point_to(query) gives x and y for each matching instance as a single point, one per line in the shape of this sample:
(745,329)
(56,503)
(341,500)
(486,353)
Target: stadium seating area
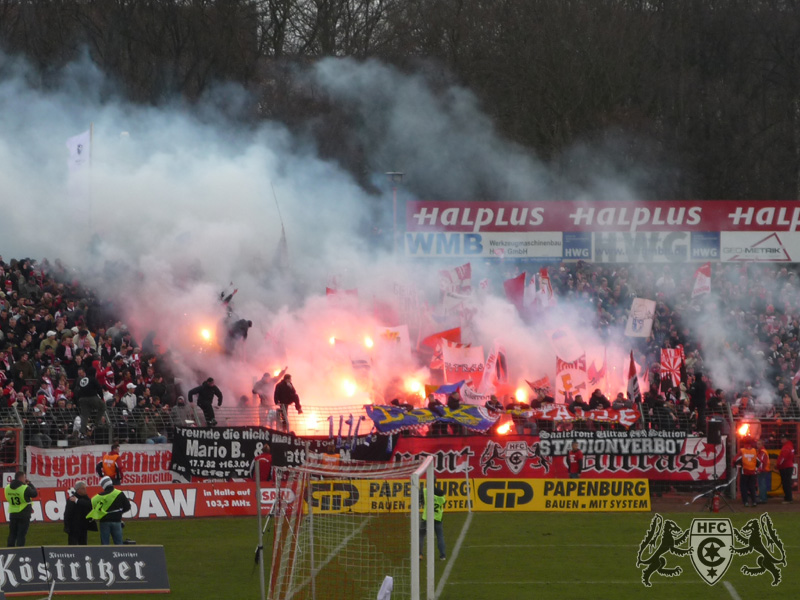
(50,327)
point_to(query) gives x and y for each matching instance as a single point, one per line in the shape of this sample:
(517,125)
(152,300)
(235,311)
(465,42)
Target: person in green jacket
(18,495)
(107,509)
(439,501)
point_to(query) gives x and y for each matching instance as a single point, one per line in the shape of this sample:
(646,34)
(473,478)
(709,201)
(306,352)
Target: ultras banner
(84,569)
(654,455)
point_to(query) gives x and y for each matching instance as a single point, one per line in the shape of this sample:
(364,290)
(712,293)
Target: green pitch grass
(504,556)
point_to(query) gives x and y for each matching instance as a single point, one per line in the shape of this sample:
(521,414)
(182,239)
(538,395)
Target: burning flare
(350,388)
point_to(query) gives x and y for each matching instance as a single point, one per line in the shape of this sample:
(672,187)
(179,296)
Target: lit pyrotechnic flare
(415,387)
(205,334)
(744,429)
(350,388)
(332,341)
(505,428)
(368,342)
(312,423)
(521,395)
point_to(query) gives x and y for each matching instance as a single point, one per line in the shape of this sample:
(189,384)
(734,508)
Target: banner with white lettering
(614,232)
(62,467)
(84,569)
(226,452)
(617,216)
(463,363)
(157,501)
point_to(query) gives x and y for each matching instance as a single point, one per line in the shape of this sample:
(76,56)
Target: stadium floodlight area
(341,527)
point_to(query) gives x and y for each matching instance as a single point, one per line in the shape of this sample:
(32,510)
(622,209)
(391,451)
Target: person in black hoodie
(19,494)
(107,509)
(76,525)
(697,396)
(89,397)
(206,392)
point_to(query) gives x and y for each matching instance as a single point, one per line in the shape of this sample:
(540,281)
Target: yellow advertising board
(563,495)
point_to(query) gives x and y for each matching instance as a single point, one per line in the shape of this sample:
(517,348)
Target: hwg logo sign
(711,545)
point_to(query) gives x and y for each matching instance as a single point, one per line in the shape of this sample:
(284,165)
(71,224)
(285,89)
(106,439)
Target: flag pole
(91,199)
(278,206)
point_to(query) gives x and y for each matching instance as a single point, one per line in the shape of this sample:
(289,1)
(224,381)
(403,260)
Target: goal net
(342,526)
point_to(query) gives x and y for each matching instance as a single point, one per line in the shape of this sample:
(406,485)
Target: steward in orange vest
(109,465)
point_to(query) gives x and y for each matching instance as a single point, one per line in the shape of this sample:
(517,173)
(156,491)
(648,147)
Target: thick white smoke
(186,201)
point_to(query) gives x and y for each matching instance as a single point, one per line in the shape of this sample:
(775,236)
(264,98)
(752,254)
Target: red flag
(671,361)
(451,335)
(515,291)
(437,340)
(702,280)
(634,393)
(542,384)
(546,297)
(594,374)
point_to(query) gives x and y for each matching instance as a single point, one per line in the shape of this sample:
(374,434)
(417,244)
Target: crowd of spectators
(53,332)
(746,333)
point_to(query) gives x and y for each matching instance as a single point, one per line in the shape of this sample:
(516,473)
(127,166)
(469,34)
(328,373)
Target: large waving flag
(390,419)
(571,377)
(463,363)
(491,372)
(541,385)
(458,280)
(79,179)
(394,340)
(545,293)
(515,291)
(640,319)
(634,393)
(437,340)
(80,151)
(594,374)
(702,280)
(671,363)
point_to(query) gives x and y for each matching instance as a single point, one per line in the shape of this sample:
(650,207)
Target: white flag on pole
(80,150)
(702,280)
(640,319)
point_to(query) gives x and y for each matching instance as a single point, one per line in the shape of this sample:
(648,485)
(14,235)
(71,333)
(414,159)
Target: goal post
(425,469)
(340,527)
